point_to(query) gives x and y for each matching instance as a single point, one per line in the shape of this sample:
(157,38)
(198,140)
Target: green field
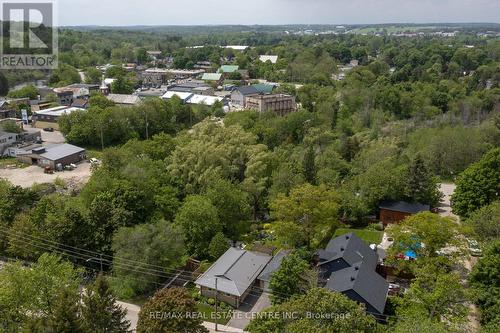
(11,161)
(369,236)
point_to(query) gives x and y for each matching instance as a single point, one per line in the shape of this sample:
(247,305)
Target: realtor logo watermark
(28,38)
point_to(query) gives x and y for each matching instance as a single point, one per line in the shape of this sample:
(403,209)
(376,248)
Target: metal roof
(273,265)
(57,152)
(272,58)
(58,111)
(237,47)
(236,270)
(228,68)
(264,88)
(124,99)
(247,90)
(182,95)
(204,99)
(211,76)
(405,207)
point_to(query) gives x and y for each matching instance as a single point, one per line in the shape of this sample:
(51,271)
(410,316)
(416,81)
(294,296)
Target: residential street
(133,316)
(445,208)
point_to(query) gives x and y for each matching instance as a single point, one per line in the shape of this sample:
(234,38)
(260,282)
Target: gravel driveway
(26,177)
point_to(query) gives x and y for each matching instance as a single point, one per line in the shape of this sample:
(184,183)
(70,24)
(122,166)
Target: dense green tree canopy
(170,301)
(294,277)
(139,252)
(316,302)
(200,222)
(26,292)
(305,217)
(479,185)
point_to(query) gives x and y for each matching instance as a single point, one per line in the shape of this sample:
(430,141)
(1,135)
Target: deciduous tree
(170,311)
(306,216)
(290,279)
(478,185)
(137,248)
(200,223)
(309,312)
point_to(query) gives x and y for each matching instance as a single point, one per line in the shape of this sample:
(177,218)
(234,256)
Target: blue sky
(190,12)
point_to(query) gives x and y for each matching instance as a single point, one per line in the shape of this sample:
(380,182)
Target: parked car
(48,129)
(94,161)
(395,289)
(474,248)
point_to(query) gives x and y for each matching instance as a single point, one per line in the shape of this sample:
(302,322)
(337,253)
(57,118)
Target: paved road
(445,207)
(468,261)
(253,305)
(133,316)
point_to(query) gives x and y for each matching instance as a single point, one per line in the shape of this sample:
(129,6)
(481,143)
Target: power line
(254,291)
(82,258)
(93,254)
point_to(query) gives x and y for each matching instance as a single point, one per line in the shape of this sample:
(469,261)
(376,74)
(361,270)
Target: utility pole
(216,308)
(147,125)
(102,138)
(95,259)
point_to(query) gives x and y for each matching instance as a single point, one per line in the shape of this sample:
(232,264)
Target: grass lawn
(11,161)
(369,236)
(93,153)
(208,314)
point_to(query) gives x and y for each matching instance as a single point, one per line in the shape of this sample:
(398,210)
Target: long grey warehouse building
(52,156)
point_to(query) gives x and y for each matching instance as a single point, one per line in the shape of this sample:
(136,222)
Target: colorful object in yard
(411,255)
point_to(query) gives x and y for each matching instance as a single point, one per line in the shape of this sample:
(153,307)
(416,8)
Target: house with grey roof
(361,284)
(6,110)
(233,275)
(239,95)
(348,265)
(275,264)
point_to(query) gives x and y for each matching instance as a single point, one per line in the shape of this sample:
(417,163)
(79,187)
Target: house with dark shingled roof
(347,265)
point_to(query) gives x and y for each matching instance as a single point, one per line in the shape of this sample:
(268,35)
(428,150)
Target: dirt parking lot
(26,177)
(48,138)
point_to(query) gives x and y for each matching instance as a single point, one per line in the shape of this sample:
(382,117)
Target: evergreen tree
(309,166)
(421,185)
(100,313)
(335,114)
(349,147)
(121,86)
(64,317)
(4,85)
